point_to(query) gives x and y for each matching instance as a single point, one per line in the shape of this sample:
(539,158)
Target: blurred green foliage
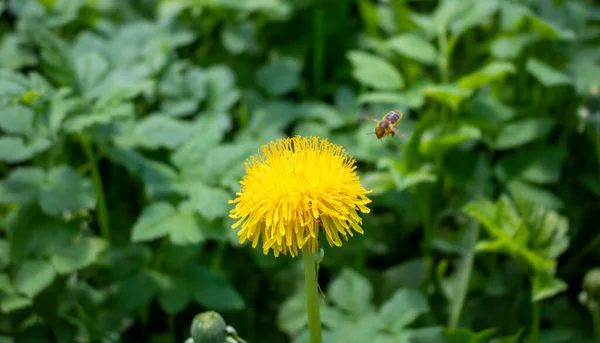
(124,127)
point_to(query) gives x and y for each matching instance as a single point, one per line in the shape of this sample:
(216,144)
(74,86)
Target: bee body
(387,125)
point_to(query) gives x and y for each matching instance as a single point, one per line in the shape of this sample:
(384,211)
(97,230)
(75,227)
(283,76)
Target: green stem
(312,296)
(535,322)
(443,63)
(596,316)
(464,273)
(319,53)
(97,180)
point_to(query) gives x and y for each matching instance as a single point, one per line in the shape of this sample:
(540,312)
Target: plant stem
(596,316)
(464,273)
(535,322)
(319,53)
(312,295)
(102,214)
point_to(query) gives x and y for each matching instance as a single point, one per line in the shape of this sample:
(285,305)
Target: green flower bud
(208,327)
(591,286)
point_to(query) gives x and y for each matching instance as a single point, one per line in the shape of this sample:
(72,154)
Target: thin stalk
(312,295)
(443,63)
(535,322)
(319,53)
(464,274)
(596,316)
(101,211)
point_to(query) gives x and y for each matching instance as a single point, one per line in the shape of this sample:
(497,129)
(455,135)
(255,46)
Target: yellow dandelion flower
(294,189)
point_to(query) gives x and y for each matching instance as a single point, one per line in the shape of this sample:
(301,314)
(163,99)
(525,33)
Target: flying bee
(387,125)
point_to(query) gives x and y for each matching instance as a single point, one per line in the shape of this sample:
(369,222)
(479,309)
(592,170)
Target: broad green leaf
(490,73)
(33,277)
(446,12)
(90,68)
(280,76)
(536,194)
(80,255)
(16,120)
(545,286)
(12,53)
(239,37)
(510,47)
(549,30)
(513,14)
(448,94)
(405,179)
(14,302)
(375,72)
(352,292)
(213,290)
(508,339)
(522,132)
(487,112)
(538,165)
(159,131)
(545,74)
(477,13)
(210,202)
(414,47)
(222,93)
(402,309)
(137,290)
(153,223)
(291,316)
(408,274)
(436,143)
(161,219)
(15,149)
(23,185)
(66,190)
(176,297)
(410,99)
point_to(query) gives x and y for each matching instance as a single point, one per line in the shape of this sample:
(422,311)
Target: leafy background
(124,126)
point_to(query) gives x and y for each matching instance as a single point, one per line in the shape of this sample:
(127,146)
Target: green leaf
(239,37)
(80,255)
(375,72)
(137,290)
(522,132)
(14,302)
(402,309)
(23,185)
(210,202)
(510,47)
(448,94)
(212,290)
(545,74)
(33,277)
(414,47)
(433,142)
(16,120)
(158,131)
(280,76)
(476,14)
(160,219)
(176,296)
(405,179)
(66,190)
(153,223)
(539,165)
(545,286)
(490,73)
(352,292)
(16,150)
(411,99)
(532,193)
(90,69)
(221,91)
(291,316)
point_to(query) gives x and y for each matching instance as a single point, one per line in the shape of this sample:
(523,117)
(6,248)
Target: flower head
(296,188)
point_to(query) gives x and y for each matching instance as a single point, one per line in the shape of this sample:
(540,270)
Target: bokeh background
(124,127)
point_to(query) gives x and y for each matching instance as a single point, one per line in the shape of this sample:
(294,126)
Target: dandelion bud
(591,286)
(208,327)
